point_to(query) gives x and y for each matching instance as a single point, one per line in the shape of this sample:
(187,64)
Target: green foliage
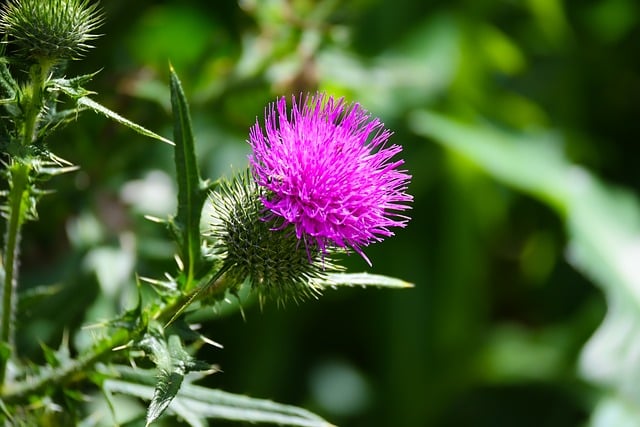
(602,225)
(192,191)
(194,404)
(89,103)
(525,201)
(172,363)
(155,330)
(364,279)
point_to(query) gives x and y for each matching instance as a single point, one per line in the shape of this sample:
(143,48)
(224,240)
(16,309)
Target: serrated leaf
(219,404)
(364,280)
(169,376)
(191,191)
(8,85)
(74,88)
(173,363)
(166,389)
(59,119)
(101,109)
(195,404)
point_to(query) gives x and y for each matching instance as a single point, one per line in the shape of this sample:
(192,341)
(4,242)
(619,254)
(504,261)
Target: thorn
(179,262)
(122,347)
(211,342)
(155,219)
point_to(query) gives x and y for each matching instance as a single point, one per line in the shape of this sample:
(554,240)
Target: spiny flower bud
(265,253)
(50,30)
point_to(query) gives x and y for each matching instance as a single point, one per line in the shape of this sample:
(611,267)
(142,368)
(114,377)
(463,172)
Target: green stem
(35,104)
(18,203)
(214,286)
(79,369)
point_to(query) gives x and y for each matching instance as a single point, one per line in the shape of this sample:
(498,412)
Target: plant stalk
(18,203)
(18,207)
(35,104)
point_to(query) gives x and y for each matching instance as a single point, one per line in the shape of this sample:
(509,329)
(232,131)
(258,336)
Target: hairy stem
(18,204)
(35,103)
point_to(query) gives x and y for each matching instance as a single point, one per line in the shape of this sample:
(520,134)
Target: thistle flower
(327,170)
(273,262)
(50,30)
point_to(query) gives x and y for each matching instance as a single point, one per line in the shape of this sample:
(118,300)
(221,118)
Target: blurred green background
(491,334)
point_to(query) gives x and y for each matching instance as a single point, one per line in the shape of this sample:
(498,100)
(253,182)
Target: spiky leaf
(191,189)
(101,109)
(195,404)
(172,363)
(364,280)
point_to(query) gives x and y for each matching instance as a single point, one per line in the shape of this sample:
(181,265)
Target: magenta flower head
(329,172)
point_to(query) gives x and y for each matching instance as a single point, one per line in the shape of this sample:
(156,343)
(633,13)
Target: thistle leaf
(173,363)
(166,389)
(101,109)
(73,87)
(191,189)
(8,86)
(364,280)
(195,404)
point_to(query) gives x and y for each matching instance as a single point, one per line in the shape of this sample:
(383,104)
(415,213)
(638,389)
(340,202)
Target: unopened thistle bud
(265,253)
(50,30)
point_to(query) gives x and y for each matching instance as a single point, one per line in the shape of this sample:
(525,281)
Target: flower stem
(35,104)
(18,204)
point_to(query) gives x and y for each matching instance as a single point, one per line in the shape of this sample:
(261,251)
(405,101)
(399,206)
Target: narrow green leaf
(101,109)
(191,190)
(220,404)
(365,280)
(195,403)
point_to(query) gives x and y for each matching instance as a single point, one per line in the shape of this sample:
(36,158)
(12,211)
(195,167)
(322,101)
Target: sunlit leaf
(191,189)
(195,404)
(101,109)
(365,280)
(172,363)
